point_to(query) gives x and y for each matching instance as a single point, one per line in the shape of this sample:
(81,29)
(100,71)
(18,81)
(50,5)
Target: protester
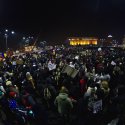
(64,104)
(85,84)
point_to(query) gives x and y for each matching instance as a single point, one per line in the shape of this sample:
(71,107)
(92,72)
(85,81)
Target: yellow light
(5,55)
(94,42)
(74,43)
(80,42)
(71,42)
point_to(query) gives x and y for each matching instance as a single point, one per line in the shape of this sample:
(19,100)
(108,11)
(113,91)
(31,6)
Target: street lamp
(12,32)
(6,37)
(30,37)
(6,30)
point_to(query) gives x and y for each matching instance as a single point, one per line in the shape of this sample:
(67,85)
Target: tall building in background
(108,41)
(75,41)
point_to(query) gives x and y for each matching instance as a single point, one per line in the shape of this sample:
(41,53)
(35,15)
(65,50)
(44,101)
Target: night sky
(56,20)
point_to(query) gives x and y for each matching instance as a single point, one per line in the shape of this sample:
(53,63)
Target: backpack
(47,93)
(12,104)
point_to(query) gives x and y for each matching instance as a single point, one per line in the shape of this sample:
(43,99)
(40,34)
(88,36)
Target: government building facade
(75,41)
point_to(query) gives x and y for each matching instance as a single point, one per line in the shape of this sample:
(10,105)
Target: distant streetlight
(6,30)
(24,38)
(6,37)
(12,32)
(30,37)
(27,40)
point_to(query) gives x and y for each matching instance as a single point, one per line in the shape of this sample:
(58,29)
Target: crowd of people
(36,84)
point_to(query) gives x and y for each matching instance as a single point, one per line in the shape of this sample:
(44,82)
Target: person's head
(8,83)
(104,85)
(63,90)
(12,95)
(28,76)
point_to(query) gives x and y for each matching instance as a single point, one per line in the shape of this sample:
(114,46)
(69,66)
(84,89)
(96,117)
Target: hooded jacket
(63,103)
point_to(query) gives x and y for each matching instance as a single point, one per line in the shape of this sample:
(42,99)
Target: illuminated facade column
(83,41)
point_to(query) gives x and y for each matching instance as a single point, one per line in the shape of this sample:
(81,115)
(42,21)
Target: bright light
(24,38)
(13,32)
(6,30)
(109,36)
(5,34)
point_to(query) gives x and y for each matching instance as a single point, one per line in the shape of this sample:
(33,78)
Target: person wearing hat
(64,103)
(8,83)
(11,87)
(30,79)
(105,87)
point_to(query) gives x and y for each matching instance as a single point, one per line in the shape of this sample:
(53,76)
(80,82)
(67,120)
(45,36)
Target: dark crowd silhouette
(63,86)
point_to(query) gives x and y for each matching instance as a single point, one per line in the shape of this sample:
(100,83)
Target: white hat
(113,63)
(28,74)
(8,83)
(10,74)
(24,66)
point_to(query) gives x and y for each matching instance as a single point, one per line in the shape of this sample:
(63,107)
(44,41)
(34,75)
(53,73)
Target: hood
(63,96)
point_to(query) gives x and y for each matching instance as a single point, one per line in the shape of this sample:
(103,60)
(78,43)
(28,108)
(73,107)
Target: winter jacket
(63,103)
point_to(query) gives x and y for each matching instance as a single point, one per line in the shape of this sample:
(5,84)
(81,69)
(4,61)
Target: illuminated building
(75,41)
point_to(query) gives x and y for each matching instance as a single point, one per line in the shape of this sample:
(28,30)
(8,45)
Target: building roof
(82,38)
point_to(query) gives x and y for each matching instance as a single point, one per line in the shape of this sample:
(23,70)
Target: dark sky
(58,19)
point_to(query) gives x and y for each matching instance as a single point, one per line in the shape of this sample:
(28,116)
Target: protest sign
(72,72)
(97,106)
